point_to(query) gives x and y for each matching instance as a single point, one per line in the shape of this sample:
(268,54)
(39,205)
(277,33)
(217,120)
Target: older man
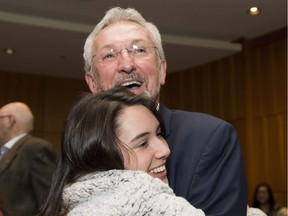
(26,162)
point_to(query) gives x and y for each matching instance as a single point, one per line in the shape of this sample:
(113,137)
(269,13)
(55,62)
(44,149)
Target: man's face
(4,127)
(141,76)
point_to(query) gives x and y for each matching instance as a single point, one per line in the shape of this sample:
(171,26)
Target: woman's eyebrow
(139,136)
(158,128)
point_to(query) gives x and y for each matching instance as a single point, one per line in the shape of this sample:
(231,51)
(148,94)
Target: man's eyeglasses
(111,55)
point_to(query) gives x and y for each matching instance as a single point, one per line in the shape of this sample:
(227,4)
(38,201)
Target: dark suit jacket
(205,165)
(25,172)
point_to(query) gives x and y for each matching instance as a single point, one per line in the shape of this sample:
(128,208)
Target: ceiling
(48,35)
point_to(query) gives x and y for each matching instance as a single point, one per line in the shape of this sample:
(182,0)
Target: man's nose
(126,62)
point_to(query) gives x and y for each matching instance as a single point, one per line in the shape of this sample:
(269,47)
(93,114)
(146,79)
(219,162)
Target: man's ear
(11,121)
(90,82)
(162,71)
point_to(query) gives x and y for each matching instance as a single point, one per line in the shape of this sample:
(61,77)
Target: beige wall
(247,89)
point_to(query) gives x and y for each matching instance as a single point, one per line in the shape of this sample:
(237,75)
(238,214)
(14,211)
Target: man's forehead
(124,30)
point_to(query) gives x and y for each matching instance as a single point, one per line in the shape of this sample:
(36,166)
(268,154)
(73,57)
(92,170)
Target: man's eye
(108,56)
(140,50)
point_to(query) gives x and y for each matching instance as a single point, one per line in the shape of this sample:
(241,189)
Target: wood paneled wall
(249,90)
(49,99)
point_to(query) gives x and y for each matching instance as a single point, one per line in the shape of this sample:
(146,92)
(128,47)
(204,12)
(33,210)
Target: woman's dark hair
(271,199)
(89,140)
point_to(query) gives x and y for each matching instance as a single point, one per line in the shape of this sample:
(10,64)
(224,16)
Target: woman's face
(262,194)
(140,131)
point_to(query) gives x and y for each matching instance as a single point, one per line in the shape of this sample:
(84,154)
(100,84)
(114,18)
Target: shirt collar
(158,106)
(12,142)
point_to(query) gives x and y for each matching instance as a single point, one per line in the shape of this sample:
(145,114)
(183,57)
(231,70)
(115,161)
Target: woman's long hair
(271,199)
(89,140)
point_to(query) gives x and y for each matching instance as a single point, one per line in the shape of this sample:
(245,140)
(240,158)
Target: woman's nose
(162,150)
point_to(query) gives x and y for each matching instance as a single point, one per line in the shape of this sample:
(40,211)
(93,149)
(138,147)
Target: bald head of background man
(15,118)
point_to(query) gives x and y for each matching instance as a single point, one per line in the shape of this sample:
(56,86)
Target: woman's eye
(142,145)
(160,134)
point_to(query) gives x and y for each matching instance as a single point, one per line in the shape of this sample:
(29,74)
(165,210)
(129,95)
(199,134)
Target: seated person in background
(26,162)
(112,160)
(282,212)
(264,200)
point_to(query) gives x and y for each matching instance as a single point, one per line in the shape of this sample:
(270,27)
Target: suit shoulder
(37,140)
(37,143)
(196,118)
(193,123)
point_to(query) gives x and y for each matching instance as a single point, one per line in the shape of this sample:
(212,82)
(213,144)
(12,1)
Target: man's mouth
(132,84)
(158,169)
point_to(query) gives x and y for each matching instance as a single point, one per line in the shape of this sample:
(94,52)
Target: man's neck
(12,141)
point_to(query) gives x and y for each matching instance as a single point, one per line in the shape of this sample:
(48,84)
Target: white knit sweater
(123,192)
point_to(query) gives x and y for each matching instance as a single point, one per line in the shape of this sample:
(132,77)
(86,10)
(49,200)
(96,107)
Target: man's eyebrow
(111,46)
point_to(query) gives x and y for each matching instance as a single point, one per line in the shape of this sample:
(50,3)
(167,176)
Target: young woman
(112,160)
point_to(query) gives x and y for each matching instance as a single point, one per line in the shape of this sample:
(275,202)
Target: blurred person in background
(26,162)
(282,212)
(264,199)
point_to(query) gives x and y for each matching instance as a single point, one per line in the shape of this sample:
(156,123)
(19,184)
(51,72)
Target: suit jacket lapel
(166,116)
(12,154)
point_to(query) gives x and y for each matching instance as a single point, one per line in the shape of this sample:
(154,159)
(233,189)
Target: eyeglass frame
(131,51)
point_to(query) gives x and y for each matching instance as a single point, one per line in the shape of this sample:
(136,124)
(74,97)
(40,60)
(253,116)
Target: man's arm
(205,165)
(219,185)
(42,169)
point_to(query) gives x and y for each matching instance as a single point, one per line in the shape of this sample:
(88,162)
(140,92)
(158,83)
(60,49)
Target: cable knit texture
(123,192)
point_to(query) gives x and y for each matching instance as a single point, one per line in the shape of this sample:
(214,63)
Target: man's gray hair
(115,15)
